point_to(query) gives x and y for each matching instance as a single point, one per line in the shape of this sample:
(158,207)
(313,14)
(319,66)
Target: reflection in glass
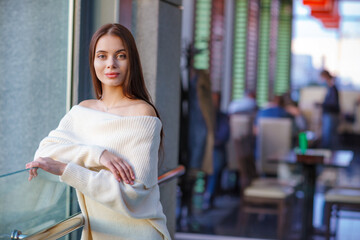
(31,206)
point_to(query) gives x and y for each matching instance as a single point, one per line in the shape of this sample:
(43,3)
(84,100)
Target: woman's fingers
(47,164)
(32,166)
(127,171)
(124,172)
(117,171)
(131,172)
(119,168)
(114,172)
(31,175)
(34,171)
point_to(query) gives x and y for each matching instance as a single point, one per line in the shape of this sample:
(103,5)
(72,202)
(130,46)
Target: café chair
(271,195)
(275,139)
(271,199)
(337,199)
(241,147)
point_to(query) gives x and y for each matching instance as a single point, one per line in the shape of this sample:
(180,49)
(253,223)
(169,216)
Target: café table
(309,161)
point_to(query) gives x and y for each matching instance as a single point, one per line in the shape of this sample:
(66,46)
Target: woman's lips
(112,75)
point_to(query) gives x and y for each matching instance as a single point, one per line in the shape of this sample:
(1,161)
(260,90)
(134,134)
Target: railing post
(16,234)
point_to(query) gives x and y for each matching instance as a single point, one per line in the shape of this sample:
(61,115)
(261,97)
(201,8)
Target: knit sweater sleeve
(62,145)
(136,201)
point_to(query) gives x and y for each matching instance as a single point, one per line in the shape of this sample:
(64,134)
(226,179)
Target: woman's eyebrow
(103,51)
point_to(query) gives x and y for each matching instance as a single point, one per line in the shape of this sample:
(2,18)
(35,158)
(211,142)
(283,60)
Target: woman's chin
(112,83)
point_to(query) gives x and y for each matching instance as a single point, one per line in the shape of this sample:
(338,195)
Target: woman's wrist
(62,168)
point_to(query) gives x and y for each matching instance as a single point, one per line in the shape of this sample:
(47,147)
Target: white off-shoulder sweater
(112,209)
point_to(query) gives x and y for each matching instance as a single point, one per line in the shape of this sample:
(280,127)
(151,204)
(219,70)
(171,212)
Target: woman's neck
(112,96)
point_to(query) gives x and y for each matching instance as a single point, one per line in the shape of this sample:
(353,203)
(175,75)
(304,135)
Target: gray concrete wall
(158,37)
(226,88)
(33,96)
(146,32)
(105,11)
(33,76)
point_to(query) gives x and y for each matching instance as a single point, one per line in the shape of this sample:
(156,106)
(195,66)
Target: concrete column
(105,11)
(158,36)
(226,92)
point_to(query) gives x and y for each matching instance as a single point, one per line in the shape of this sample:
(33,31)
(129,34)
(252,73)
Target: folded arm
(135,200)
(61,145)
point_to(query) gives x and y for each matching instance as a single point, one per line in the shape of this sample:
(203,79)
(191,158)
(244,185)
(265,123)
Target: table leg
(309,171)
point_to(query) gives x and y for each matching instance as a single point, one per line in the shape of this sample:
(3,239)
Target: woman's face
(110,61)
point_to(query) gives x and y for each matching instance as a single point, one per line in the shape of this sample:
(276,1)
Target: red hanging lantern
(331,24)
(331,21)
(329,13)
(318,4)
(326,11)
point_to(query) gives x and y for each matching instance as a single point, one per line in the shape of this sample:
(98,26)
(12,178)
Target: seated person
(299,118)
(275,109)
(281,107)
(246,104)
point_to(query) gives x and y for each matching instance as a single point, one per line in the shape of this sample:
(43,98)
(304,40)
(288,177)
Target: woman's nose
(111,63)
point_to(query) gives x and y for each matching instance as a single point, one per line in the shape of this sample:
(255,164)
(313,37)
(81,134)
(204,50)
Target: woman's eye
(101,56)
(121,56)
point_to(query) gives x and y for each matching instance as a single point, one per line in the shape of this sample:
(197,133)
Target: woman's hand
(120,168)
(47,164)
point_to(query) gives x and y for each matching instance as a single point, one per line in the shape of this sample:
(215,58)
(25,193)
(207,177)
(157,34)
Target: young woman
(107,148)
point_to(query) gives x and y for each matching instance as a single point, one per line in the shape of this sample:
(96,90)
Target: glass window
(33,96)
(315,47)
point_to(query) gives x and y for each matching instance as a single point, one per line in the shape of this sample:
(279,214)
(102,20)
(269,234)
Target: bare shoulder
(91,103)
(143,108)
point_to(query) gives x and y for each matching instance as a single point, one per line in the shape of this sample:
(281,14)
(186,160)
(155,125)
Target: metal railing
(176,172)
(76,221)
(56,231)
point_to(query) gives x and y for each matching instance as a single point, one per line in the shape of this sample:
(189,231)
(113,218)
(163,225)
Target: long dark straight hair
(134,85)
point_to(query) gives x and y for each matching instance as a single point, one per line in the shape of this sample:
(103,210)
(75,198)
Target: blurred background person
(300,123)
(330,112)
(246,104)
(222,134)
